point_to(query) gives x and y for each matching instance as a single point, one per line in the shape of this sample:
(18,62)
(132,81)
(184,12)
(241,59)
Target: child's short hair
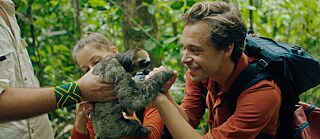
(92,38)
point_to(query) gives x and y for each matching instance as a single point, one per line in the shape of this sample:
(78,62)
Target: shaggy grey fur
(107,117)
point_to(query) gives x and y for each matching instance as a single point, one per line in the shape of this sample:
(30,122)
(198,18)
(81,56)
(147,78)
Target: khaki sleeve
(3,84)
(6,66)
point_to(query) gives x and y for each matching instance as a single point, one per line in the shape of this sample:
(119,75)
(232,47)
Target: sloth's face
(135,60)
(141,60)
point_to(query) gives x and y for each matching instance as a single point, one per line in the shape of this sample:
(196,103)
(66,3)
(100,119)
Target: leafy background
(51,28)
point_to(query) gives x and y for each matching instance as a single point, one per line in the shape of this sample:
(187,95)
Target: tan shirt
(15,67)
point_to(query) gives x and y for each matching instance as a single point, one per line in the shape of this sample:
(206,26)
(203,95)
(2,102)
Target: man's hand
(165,88)
(93,88)
(168,84)
(157,99)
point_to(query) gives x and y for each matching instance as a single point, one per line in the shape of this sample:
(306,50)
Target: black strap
(232,100)
(250,76)
(253,74)
(204,90)
(166,134)
(307,111)
(262,135)
(139,114)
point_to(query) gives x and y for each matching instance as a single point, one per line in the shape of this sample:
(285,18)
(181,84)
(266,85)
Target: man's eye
(194,51)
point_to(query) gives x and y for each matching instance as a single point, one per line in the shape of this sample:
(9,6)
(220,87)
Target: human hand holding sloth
(107,117)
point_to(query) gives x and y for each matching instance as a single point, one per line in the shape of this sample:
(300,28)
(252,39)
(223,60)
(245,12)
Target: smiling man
(213,43)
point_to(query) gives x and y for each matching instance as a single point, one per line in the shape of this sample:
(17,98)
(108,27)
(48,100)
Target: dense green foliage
(51,29)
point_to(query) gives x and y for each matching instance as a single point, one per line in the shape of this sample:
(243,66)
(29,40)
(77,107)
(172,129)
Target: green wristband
(67,94)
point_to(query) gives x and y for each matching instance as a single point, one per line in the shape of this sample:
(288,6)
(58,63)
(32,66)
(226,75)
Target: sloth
(107,117)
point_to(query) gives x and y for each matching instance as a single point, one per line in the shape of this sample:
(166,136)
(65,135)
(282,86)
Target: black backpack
(294,70)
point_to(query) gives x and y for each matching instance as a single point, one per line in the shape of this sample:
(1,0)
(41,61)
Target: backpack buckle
(295,47)
(262,64)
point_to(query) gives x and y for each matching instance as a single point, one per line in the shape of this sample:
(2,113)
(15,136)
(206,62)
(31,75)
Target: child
(87,53)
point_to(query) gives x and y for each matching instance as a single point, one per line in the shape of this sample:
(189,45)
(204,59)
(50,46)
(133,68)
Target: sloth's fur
(107,117)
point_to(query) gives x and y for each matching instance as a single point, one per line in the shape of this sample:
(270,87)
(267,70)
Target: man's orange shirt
(257,107)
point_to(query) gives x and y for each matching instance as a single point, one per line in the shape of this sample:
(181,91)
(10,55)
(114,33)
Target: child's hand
(83,109)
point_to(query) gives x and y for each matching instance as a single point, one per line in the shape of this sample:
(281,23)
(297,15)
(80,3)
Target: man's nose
(186,58)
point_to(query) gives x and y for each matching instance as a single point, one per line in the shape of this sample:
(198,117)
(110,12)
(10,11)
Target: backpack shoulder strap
(253,74)
(204,90)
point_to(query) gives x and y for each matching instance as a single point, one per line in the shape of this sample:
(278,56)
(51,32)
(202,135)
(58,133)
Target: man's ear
(114,49)
(228,50)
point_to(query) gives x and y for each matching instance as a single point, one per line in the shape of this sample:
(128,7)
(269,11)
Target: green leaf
(146,28)
(149,1)
(97,3)
(249,7)
(150,45)
(175,52)
(170,40)
(177,5)
(151,9)
(257,3)
(136,28)
(190,3)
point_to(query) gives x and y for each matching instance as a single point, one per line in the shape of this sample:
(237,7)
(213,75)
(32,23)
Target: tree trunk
(134,18)
(76,16)
(251,15)
(34,45)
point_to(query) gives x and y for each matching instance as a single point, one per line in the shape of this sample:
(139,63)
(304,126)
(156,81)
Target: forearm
(181,111)
(76,135)
(175,122)
(20,103)
(80,127)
